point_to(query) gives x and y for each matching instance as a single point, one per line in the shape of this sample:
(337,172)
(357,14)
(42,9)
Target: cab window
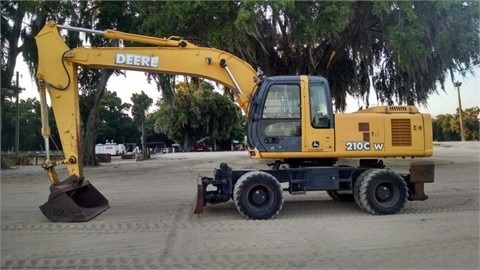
(281,113)
(320,116)
(283,101)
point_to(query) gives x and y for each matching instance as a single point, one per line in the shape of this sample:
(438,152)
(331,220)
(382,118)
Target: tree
(197,112)
(30,126)
(223,118)
(13,14)
(20,22)
(93,82)
(151,136)
(141,103)
(402,48)
(34,15)
(446,127)
(471,123)
(115,124)
(201,22)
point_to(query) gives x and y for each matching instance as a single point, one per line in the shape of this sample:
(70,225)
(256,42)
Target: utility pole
(457,84)
(17,126)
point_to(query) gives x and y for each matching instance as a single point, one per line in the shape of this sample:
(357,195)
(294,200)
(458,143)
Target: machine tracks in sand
(216,217)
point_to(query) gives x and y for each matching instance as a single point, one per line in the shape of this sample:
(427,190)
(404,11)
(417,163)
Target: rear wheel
(258,195)
(380,192)
(356,187)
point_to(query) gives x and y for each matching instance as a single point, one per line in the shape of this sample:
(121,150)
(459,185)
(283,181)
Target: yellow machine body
(369,133)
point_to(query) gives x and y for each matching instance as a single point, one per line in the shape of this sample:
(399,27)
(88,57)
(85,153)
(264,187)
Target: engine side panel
(383,134)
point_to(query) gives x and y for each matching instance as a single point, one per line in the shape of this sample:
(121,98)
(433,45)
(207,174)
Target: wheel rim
(260,197)
(386,194)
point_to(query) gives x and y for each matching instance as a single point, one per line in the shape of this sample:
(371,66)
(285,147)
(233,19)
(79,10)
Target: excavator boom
(57,76)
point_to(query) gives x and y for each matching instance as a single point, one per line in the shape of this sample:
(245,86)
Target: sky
(135,82)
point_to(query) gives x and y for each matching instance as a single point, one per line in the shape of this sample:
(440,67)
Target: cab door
(318,125)
(275,116)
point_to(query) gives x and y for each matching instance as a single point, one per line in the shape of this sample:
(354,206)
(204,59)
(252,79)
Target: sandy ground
(150,223)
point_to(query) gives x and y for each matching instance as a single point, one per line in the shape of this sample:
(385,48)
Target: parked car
(200,147)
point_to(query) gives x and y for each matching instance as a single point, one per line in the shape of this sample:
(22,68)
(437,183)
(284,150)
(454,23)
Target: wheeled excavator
(291,121)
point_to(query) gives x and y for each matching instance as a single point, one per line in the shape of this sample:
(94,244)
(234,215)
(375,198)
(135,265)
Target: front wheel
(258,195)
(381,192)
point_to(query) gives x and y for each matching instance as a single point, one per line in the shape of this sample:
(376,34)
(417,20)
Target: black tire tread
(356,188)
(362,186)
(243,181)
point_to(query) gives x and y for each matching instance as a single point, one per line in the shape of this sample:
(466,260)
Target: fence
(29,158)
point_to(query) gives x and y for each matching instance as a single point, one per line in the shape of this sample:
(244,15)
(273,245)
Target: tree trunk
(186,142)
(7,74)
(145,150)
(89,158)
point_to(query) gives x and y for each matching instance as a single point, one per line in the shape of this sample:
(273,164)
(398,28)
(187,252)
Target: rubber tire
(356,186)
(258,181)
(340,197)
(366,187)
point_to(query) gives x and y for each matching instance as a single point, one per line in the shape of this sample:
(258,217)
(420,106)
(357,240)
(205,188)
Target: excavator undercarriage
(258,195)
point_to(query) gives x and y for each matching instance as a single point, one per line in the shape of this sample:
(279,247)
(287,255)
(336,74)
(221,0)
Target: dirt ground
(151,225)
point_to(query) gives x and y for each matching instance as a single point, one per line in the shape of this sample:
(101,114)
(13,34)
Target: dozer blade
(199,204)
(74,201)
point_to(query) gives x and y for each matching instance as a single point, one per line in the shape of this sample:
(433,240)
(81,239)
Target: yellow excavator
(290,120)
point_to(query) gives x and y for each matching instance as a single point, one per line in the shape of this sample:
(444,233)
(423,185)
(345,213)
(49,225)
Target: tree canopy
(198,111)
(30,137)
(446,127)
(401,48)
(141,103)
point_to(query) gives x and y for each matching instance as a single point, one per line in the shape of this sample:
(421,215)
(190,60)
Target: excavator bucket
(74,201)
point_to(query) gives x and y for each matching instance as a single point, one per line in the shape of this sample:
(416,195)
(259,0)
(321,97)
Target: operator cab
(286,111)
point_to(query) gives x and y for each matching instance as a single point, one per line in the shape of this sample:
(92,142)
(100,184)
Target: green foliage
(30,136)
(151,136)
(198,111)
(209,21)
(402,48)
(141,103)
(115,124)
(446,127)
(471,124)
(20,22)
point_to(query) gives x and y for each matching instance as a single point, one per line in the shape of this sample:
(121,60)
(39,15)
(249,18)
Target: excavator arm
(57,70)
(57,76)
